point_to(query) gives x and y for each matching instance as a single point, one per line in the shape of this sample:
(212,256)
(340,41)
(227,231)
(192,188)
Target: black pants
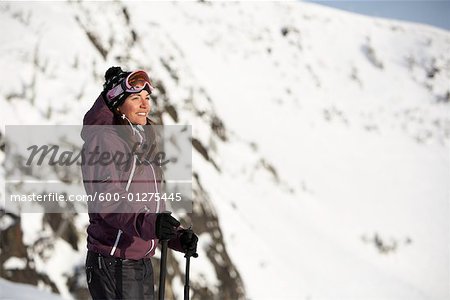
(115,278)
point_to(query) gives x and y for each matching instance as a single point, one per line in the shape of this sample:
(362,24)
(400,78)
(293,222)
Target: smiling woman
(136,107)
(123,234)
(128,94)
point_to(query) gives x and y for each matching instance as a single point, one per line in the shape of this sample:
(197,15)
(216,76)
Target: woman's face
(136,107)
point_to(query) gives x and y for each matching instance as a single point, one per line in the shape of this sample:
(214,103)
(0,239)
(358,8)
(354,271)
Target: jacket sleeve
(102,179)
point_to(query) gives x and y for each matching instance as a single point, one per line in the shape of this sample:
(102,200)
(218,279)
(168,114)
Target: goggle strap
(114,92)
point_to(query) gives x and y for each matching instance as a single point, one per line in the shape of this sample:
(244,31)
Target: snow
(32,227)
(15,263)
(202,269)
(61,263)
(19,291)
(5,222)
(359,150)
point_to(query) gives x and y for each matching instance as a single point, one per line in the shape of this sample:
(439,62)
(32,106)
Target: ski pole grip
(190,232)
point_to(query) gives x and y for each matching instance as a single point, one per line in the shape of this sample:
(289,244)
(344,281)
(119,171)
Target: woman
(123,234)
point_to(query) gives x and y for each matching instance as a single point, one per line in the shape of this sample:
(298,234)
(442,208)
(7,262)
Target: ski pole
(188,263)
(162,270)
(162,266)
(186,278)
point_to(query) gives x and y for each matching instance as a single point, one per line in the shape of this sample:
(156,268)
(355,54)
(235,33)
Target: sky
(435,13)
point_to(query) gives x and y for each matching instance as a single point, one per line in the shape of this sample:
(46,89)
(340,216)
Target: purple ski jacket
(122,228)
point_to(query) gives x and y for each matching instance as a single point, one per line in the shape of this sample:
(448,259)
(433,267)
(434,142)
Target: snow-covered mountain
(321,142)
(10,291)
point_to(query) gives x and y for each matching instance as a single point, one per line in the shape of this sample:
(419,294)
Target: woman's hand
(188,240)
(166,226)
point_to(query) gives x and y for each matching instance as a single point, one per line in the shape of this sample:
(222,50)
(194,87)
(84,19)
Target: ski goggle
(134,83)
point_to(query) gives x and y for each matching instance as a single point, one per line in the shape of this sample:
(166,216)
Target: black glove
(188,240)
(166,226)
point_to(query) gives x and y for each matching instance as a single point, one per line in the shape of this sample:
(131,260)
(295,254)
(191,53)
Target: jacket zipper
(131,174)
(157,209)
(156,187)
(119,233)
